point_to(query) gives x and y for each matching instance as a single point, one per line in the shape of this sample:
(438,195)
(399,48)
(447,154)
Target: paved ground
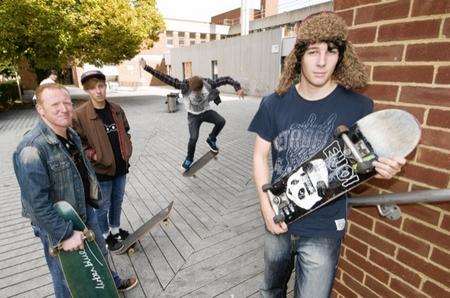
(212,244)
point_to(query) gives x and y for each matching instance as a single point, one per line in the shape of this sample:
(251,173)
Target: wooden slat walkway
(212,244)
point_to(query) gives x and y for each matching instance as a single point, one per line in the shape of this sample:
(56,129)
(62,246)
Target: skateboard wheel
(278,218)
(364,167)
(321,188)
(340,130)
(130,251)
(53,251)
(308,167)
(89,234)
(266,187)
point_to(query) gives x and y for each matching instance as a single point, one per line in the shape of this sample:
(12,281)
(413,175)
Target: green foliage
(8,91)
(55,33)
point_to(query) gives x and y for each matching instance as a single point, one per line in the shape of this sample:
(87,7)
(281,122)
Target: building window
(192,42)
(169,42)
(212,36)
(214,70)
(187,70)
(192,35)
(169,33)
(202,41)
(203,35)
(181,42)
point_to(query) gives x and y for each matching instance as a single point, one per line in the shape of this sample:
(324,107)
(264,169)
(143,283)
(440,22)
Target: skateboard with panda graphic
(343,163)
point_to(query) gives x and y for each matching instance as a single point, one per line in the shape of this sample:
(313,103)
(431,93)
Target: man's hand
(240,93)
(272,227)
(142,63)
(387,167)
(75,242)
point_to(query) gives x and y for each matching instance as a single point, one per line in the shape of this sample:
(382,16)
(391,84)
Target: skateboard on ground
(86,271)
(130,242)
(200,163)
(343,164)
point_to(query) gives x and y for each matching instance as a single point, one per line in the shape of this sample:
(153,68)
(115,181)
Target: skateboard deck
(200,163)
(132,239)
(343,164)
(86,271)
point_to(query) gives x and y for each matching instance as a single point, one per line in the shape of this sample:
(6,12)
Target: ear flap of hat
(351,72)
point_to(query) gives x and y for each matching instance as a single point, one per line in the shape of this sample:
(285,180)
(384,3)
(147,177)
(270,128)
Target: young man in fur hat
(294,123)
(198,93)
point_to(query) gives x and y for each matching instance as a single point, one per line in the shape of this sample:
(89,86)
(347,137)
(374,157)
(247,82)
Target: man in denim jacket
(50,166)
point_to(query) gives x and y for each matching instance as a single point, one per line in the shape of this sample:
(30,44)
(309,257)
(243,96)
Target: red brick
(402,239)
(439,118)
(435,51)
(405,289)
(395,268)
(443,205)
(433,158)
(417,112)
(343,289)
(427,268)
(379,288)
(347,15)
(357,287)
(422,212)
(344,4)
(361,219)
(447,27)
(373,211)
(351,269)
(434,290)
(356,245)
(430,7)
(446,223)
(443,75)
(372,239)
(380,53)
(365,190)
(362,35)
(425,175)
(412,74)
(380,92)
(382,12)
(367,267)
(436,138)
(426,96)
(393,184)
(429,234)
(409,31)
(440,257)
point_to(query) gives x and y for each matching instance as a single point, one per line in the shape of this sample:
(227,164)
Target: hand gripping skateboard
(343,164)
(86,272)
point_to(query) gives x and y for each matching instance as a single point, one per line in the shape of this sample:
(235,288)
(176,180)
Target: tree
(57,33)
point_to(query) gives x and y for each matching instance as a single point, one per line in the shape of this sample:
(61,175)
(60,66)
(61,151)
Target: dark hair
(53,72)
(195,83)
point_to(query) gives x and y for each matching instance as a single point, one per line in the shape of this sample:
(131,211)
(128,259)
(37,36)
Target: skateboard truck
(87,234)
(392,212)
(364,163)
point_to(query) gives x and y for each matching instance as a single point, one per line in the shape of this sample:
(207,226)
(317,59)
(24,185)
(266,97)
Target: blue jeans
(59,283)
(315,265)
(112,194)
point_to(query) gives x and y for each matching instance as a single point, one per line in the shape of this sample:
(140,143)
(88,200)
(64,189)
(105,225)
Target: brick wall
(406,47)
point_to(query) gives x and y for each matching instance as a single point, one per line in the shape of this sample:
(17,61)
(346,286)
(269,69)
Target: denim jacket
(46,174)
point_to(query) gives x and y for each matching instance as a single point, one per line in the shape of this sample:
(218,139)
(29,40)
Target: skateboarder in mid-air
(50,165)
(198,93)
(295,122)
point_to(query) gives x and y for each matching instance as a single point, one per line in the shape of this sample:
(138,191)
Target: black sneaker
(186,164)
(112,243)
(127,284)
(122,235)
(212,145)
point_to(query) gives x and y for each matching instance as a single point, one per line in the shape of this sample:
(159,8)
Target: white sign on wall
(275,48)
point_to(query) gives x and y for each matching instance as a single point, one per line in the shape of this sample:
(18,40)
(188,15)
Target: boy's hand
(388,167)
(142,63)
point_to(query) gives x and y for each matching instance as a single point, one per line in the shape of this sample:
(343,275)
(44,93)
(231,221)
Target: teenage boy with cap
(104,131)
(294,123)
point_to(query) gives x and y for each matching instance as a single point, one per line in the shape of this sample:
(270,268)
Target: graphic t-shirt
(297,129)
(111,130)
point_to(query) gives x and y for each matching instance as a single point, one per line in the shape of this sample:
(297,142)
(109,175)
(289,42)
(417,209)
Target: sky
(203,10)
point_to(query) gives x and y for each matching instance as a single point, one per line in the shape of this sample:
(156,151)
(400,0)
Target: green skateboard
(86,272)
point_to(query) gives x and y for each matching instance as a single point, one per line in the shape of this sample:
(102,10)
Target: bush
(8,91)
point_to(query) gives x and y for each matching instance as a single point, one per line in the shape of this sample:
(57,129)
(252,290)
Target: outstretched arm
(227,81)
(174,82)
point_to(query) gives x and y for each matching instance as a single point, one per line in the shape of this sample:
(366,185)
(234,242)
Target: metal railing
(387,203)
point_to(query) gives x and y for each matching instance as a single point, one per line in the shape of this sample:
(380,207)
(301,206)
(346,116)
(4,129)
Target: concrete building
(255,60)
